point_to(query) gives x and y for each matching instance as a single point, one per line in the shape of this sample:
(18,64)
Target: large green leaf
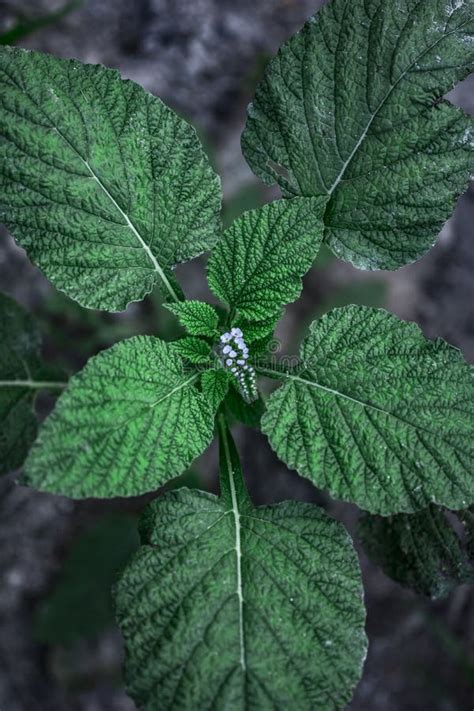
(103,185)
(352,108)
(227,606)
(377,414)
(422,551)
(129,422)
(258,265)
(21,376)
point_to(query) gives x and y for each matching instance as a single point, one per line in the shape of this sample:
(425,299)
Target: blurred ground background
(59,649)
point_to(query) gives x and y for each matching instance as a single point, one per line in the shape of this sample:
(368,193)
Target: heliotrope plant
(226,605)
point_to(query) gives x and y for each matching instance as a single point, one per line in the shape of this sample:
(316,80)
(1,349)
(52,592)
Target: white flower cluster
(235,354)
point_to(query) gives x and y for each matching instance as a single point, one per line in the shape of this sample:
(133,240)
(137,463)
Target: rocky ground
(203,57)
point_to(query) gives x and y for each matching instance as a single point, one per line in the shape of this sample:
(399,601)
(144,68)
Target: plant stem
(234,493)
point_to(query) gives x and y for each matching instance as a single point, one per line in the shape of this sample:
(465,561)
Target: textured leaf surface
(215,384)
(352,108)
(197,317)
(421,550)
(193,349)
(377,414)
(21,376)
(102,184)
(228,606)
(129,422)
(258,265)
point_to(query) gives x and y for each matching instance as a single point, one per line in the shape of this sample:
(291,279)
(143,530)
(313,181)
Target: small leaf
(197,317)
(421,551)
(258,265)
(129,422)
(193,349)
(258,330)
(104,186)
(250,414)
(234,607)
(215,384)
(79,606)
(352,108)
(377,414)
(21,376)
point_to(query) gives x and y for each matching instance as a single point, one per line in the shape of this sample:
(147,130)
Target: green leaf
(421,551)
(197,317)
(80,606)
(129,422)
(377,414)
(193,349)
(351,108)
(104,186)
(215,384)
(258,265)
(250,414)
(26,26)
(258,330)
(233,607)
(21,376)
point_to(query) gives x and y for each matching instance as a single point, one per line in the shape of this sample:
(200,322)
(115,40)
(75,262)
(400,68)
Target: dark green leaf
(129,422)
(197,317)
(258,265)
(377,414)
(250,414)
(421,550)
(193,349)
(233,607)
(103,185)
(21,376)
(351,108)
(79,606)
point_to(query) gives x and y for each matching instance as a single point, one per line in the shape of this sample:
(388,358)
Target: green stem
(34,384)
(235,495)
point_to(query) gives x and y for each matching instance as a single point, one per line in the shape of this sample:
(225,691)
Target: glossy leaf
(22,374)
(351,108)
(421,551)
(104,186)
(258,265)
(129,422)
(231,606)
(377,415)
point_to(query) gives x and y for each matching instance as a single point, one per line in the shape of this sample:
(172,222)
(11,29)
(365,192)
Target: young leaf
(104,186)
(377,414)
(421,550)
(21,376)
(193,349)
(129,422)
(351,108)
(231,606)
(258,265)
(197,317)
(250,414)
(215,384)
(258,330)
